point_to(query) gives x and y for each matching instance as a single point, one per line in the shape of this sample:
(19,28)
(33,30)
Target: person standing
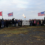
(44,22)
(12,22)
(6,23)
(39,23)
(16,23)
(0,24)
(20,23)
(34,22)
(30,21)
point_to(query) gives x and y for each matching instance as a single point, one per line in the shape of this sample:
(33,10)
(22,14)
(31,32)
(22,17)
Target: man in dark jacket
(13,22)
(20,23)
(7,23)
(16,23)
(4,23)
(31,22)
(39,22)
(0,23)
(44,22)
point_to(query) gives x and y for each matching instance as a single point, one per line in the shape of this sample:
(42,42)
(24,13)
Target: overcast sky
(30,8)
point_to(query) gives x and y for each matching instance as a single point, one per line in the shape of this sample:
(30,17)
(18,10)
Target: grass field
(18,30)
(27,35)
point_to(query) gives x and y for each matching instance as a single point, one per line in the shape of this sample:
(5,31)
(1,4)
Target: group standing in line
(7,23)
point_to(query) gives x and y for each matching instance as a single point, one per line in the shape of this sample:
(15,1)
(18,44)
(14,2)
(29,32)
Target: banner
(25,22)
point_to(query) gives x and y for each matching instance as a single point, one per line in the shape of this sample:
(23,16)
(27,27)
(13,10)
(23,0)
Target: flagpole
(44,15)
(13,15)
(25,18)
(2,15)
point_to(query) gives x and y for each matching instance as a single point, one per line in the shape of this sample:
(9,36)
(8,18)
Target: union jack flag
(10,14)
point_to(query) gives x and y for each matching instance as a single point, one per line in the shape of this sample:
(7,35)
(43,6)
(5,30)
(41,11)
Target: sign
(25,22)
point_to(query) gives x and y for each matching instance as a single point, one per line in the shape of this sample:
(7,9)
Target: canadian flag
(0,13)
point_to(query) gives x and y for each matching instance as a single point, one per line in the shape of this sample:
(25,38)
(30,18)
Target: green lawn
(16,30)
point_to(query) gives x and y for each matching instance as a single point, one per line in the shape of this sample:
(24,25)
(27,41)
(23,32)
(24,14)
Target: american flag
(41,14)
(10,14)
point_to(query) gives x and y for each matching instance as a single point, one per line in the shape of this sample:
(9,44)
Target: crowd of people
(37,22)
(7,23)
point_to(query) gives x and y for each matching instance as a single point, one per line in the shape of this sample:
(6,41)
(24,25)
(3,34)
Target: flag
(10,14)
(41,14)
(0,13)
(24,16)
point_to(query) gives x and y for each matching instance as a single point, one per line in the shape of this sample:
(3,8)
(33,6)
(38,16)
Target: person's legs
(0,26)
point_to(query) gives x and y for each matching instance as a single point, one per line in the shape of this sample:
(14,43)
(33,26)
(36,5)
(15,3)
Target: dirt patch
(35,36)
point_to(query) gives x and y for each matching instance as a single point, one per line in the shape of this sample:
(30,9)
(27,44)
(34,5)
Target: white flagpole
(25,18)
(44,15)
(12,12)
(2,15)
(12,15)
